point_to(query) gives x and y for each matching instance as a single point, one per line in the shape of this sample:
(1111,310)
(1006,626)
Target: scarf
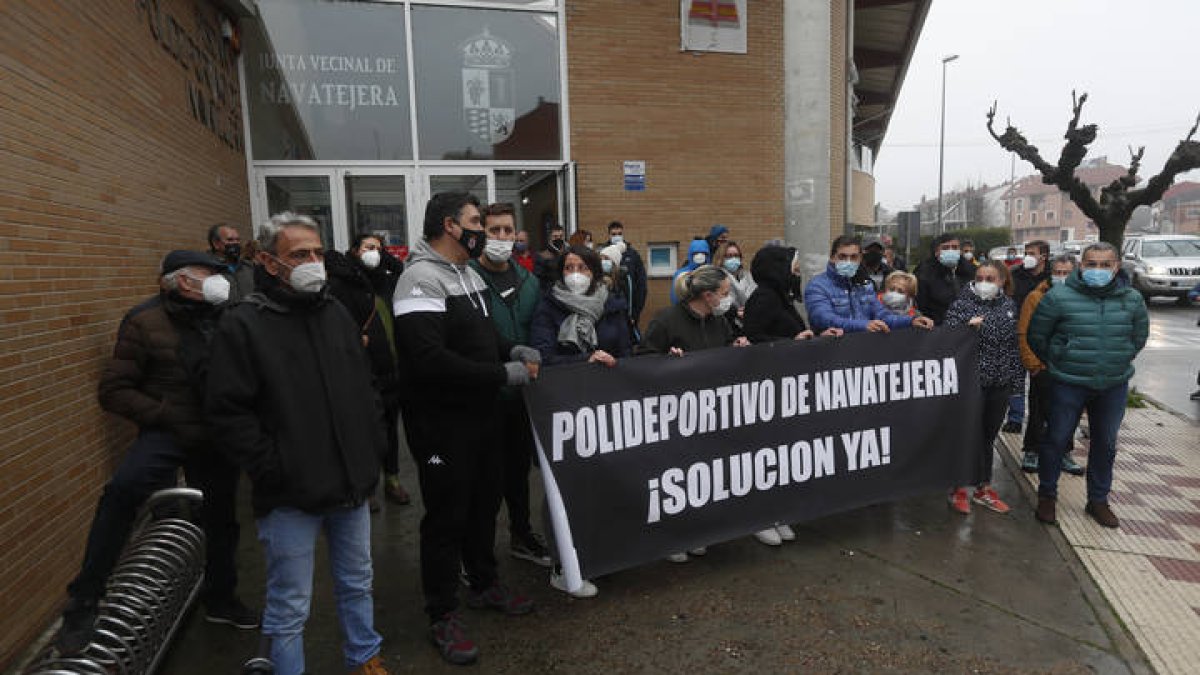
(579,329)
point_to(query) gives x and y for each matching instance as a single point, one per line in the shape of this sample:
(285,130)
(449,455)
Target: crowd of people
(295,365)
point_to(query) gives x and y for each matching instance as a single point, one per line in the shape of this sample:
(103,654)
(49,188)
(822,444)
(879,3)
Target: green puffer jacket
(1089,336)
(512,320)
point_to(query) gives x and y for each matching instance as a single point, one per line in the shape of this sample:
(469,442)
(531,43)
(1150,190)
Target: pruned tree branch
(1119,198)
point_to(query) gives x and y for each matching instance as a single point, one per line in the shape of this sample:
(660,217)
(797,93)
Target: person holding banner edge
(842,298)
(985,305)
(454,362)
(771,311)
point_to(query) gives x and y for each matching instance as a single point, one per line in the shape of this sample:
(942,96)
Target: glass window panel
(540,4)
(534,196)
(327,81)
(487,83)
(303,195)
(378,205)
(474,184)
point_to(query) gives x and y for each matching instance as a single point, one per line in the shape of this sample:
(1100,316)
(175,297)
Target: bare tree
(1119,198)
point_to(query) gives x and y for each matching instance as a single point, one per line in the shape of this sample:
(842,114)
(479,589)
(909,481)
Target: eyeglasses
(303,255)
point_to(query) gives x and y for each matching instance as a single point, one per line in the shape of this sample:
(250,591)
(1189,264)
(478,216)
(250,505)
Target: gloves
(515,372)
(525,354)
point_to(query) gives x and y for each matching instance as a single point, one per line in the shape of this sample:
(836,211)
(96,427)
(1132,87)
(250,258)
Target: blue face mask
(1097,277)
(606,265)
(733,264)
(949,257)
(1058,281)
(846,268)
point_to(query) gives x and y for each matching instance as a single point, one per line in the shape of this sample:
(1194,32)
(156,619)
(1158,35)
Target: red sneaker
(959,501)
(448,634)
(986,497)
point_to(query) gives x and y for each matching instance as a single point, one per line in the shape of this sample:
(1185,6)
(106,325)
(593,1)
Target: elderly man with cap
(156,379)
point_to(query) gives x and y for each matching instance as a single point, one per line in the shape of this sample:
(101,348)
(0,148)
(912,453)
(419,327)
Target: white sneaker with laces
(785,532)
(698,551)
(769,536)
(678,557)
(559,582)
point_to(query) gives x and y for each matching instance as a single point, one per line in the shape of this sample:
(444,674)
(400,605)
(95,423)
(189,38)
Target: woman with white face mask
(579,319)
(985,305)
(362,279)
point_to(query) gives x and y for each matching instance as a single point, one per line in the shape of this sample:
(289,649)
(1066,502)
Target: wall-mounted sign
(635,175)
(713,26)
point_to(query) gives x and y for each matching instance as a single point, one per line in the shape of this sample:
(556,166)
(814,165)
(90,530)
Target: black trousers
(150,464)
(1039,406)
(517,440)
(995,404)
(391,457)
(459,465)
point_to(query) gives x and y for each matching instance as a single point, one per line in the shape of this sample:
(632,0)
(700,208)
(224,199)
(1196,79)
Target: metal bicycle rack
(157,579)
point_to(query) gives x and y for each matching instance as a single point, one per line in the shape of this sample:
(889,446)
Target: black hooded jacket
(770,314)
(290,399)
(938,286)
(356,288)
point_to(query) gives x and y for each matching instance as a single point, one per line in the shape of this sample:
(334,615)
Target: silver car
(1163,264)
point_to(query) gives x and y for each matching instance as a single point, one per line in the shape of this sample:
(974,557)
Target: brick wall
(709,126)
(118,141)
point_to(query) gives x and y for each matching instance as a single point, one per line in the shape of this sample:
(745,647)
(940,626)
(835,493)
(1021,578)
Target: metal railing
(157,579)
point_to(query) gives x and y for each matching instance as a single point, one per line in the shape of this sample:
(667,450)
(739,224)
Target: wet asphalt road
(908,587)
(1166,368)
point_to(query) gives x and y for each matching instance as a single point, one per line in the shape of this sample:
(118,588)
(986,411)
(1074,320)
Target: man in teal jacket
(1087,331)
(512,295)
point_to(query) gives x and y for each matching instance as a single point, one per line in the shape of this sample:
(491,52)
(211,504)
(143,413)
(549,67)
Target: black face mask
(558,245)
(872,258)
(474,241)
(233,252)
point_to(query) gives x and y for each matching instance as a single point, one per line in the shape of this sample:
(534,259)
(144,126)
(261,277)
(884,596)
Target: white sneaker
(785,532)
(559,582)
(769,536)
(678,557)
(698,551)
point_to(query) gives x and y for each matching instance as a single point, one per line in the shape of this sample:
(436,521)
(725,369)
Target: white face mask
(723,306)
(699,258)
(577,282)
(616,239)
(497,250)
(215,289)
(967,255)
(370,259)
(606,265)
(589,244)
(308,277)
(986,290)
(895,300)
(1030,262)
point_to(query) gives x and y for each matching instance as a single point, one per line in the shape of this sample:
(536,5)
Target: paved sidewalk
(1149,569)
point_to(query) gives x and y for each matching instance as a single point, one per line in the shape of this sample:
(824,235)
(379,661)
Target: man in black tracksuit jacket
(453,363)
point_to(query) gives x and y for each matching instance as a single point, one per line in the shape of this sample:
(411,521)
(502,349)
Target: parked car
(1162,264)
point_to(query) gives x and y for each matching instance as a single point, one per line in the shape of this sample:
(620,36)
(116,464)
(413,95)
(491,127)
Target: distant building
(1040,211)
(1179,210)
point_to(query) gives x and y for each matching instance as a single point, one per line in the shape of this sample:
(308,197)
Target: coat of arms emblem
(487,87)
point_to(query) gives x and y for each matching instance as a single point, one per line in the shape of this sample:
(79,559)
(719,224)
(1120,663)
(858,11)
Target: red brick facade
(120,138)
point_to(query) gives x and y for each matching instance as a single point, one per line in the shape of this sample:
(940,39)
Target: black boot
(78,626)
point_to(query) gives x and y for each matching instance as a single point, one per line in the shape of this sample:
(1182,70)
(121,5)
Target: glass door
(304,192)
(379,202)
(476,181)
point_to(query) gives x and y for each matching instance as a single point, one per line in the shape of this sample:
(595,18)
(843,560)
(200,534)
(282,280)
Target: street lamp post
(941,226)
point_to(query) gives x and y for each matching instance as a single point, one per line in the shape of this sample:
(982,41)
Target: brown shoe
(1045,510)
(1101,513)
(394,491)
(372,667)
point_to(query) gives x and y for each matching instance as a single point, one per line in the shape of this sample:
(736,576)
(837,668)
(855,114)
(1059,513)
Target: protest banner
(662,454)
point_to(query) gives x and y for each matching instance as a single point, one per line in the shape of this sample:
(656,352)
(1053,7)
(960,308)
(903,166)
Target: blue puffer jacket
(999,356)
(835,301)
(1088,336)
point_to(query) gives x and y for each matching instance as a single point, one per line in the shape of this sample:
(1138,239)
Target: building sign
(635,175)
(713,25)
(209,67)
(487,87)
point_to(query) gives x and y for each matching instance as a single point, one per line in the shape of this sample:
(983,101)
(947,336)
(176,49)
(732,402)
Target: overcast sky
(1139,62)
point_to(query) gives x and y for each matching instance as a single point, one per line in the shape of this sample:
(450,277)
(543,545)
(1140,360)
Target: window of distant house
(1192,212)
(1019,217)
(1067,214)
(1020,204)
(1049,216)
(1033,218)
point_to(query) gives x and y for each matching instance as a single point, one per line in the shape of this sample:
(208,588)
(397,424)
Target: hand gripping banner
(662,454)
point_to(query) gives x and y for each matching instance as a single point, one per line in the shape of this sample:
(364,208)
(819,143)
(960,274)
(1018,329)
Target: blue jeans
(290,539)
(1016,406)
(1105,409)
